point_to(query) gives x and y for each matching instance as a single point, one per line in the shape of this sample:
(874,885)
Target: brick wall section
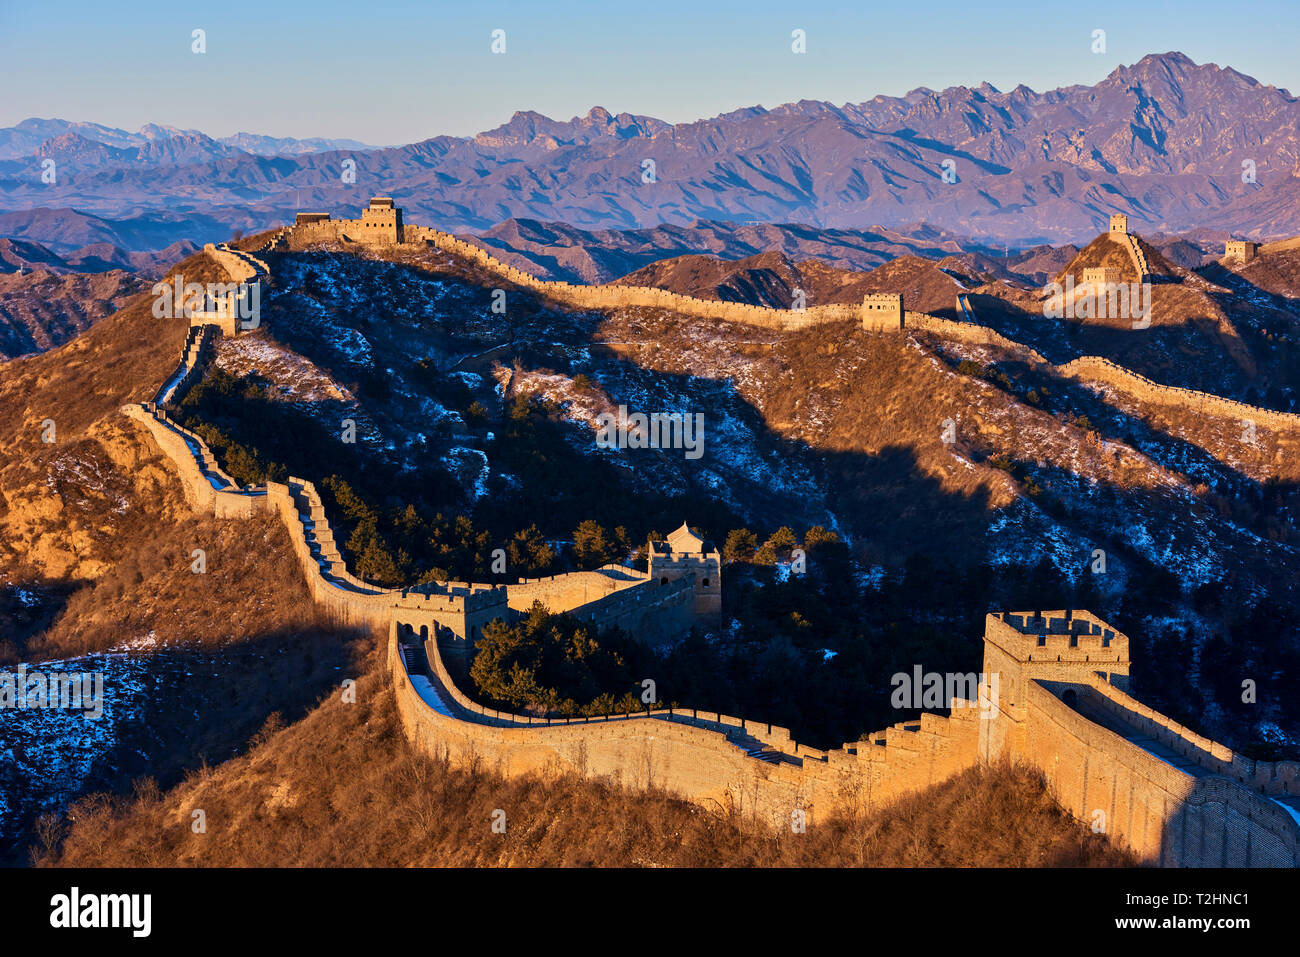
(1174,797)
(1282,245)
(1269,777)
(701,756)
(1097,369)
(971,332)
(241,266)
(614,297)
(580,296)
(1164,814)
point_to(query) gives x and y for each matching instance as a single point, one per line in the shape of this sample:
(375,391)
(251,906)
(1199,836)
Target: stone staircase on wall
(314,529)
(1139,258)
(193,354)
(277,242)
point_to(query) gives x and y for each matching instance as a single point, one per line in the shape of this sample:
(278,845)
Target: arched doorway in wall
(1071,698)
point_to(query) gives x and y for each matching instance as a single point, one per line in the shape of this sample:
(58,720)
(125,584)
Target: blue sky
(427,68)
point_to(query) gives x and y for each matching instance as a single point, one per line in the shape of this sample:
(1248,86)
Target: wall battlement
(1057,636)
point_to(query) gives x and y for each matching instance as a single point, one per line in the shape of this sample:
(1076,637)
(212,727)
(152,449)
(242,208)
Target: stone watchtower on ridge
(381,221)
(380,225)
(1118,226)
(1062,647)
(882,312)
(685,554)
(1240,250)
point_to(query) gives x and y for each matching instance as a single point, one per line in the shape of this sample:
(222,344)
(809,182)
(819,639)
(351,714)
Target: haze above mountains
(1163,140)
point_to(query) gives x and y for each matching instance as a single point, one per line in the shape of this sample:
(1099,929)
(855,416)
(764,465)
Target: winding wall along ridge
(611,296)
(1195,813)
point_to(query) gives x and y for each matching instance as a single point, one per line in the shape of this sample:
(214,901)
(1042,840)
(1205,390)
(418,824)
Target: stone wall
(606,296)
(561,593)
(1097,369)
(239,265)
(1281,246)
(971,332)
(1201,806)
(1164,814)
(1173,797)
(1268,777)
(712,759)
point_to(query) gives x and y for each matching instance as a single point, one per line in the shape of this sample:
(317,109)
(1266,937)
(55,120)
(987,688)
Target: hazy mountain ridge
(31,136)
(562,252)
(1163,140)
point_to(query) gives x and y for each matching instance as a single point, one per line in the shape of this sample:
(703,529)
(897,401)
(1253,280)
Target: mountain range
(1165,140)
(31,136)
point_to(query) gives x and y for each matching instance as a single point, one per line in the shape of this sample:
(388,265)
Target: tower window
(706,583)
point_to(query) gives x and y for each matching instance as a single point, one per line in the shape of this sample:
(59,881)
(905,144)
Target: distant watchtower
(1239,250)
(381,221)
(882,312)
(1118,226)
(686,554)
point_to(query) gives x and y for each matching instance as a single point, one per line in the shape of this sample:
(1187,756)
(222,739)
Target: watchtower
(1067,646)
(1240,250)
(882,312)
(1118,226)
(381,221)
(453,614)
(1101,275)
(685,554)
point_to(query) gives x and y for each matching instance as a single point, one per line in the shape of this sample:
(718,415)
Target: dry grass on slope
(343,788)
(252,586)
(71,507)
(76,481)
(1275,273)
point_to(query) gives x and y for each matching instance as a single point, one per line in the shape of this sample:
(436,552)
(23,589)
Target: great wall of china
(1053,693)
(877,313)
